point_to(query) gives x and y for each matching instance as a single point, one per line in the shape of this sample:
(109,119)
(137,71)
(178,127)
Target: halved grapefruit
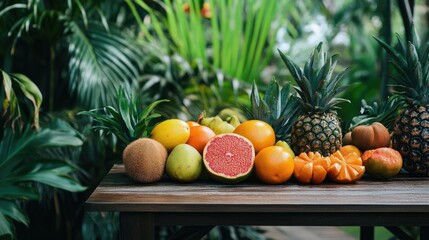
(229,158)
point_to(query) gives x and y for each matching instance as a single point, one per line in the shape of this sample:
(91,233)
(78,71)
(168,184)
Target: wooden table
(403,201)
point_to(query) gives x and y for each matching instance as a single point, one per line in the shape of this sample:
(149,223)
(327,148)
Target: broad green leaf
(6,227)
(55,178)
(13,210)
(8,190)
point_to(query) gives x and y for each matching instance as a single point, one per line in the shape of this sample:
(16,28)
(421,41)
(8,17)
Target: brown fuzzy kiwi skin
(144,160)
(373,136)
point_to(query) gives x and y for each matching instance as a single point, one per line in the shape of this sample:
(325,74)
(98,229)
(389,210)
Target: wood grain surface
(117,192)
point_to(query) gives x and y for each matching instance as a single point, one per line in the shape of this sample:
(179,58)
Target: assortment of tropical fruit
(229,149)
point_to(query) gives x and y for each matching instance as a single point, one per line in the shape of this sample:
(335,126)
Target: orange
(311,167)
(347,149)
(199,136)
(274,165)
(259,133)
(192,124)
(345,169)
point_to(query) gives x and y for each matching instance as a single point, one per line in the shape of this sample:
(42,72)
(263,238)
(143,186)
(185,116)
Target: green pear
(206,121)
(234,121)
(184,164)
(222,128)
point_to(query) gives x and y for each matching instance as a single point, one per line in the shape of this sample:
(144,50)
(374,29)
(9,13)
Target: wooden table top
(117,192)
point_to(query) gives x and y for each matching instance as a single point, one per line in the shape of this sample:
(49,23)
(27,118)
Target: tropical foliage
(232,36)
(18,94)
(128,121)
(109,59)
(24,158)
(99,57)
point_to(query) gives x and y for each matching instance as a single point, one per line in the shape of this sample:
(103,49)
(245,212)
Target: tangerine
(259,133)
(274,165)
(192,124)
(345,169)
(199,137)
(311,167)
(347,149)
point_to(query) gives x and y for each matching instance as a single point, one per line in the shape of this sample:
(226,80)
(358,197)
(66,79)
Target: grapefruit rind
(239,144)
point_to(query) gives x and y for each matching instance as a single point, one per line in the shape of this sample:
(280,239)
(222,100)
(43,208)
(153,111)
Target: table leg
(424,232)
(134,226)
(367,233)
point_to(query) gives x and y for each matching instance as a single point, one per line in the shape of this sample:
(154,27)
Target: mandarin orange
(274,165)
(259,133)
(199,136)
(311,167)
(347,149)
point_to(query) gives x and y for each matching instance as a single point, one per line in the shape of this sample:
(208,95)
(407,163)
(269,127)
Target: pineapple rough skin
(318,133)
(411,139)
(144,160)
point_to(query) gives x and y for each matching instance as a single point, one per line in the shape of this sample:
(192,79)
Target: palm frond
(101,62)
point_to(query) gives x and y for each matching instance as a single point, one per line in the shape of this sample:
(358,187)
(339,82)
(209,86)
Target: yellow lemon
(171,133)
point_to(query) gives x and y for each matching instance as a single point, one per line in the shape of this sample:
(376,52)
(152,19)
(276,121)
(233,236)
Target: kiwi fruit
(144,160)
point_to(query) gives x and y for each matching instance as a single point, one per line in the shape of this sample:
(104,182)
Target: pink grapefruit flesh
(229,158)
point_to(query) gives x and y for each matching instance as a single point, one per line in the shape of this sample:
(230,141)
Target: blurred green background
(75,55)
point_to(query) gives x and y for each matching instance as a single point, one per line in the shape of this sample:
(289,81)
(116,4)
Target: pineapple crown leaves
(384,112)
(411,63)
(278,107)
(128,121)
(317,88)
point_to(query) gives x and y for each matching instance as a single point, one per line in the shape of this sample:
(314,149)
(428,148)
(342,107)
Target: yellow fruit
(171,133)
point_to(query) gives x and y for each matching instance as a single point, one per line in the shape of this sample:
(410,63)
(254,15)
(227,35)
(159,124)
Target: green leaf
(18,83)
(10,191)
(13,210)
(272,99)
(100,63)
(293,68)
(146,111)
(14,148)
(6,227)
(124,103)
(395,55)
(55,177)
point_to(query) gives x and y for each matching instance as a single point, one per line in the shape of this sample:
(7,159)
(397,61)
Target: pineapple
(384,112)
(278,108)
(318,128)
(411,129)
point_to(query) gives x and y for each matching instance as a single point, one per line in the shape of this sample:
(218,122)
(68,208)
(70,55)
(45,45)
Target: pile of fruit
(229,150)
(188,151)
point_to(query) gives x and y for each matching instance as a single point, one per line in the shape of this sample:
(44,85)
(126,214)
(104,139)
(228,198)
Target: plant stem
(51,78)
(386,33)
